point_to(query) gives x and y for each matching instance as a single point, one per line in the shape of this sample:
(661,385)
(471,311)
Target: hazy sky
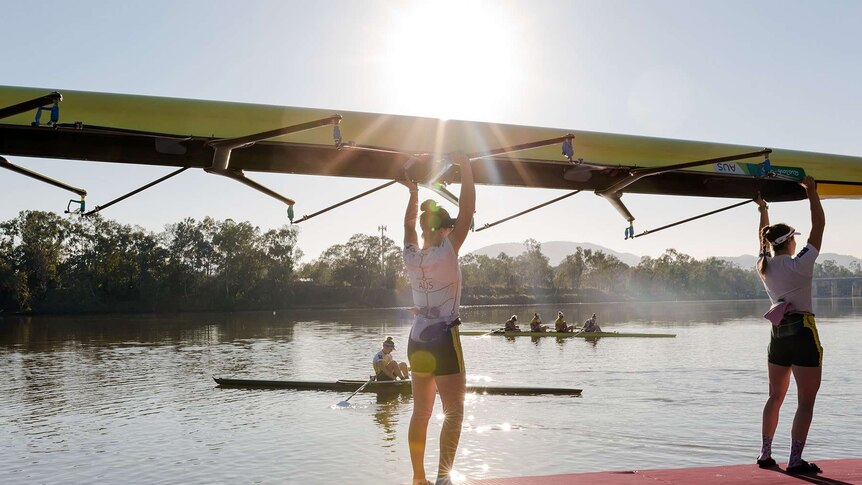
(780,74)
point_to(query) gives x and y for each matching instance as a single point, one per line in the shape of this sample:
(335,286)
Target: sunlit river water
(130,399)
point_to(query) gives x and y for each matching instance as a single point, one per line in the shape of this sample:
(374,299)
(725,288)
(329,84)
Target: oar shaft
(358,390)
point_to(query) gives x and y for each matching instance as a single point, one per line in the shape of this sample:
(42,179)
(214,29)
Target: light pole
(382,229)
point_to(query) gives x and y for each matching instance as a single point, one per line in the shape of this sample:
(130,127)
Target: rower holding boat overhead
(434,348)
(560,324)
(536,324)
(794,346)
(591,325)
(512,324)
(385,367)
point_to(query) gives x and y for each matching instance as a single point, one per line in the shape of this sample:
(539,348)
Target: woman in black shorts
(434,347)
(794,348)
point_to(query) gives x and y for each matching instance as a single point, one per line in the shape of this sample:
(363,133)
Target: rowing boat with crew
(401,386)
(588,335)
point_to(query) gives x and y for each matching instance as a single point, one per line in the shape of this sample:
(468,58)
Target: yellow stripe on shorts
(808,321)
(456,343)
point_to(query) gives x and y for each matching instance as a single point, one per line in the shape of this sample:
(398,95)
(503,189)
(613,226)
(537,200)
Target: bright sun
(452,59)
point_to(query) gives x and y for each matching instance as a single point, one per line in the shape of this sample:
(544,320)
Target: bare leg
(424,392)
(452,389)
(395,369)
(405,371)
(779,380)
(807,383)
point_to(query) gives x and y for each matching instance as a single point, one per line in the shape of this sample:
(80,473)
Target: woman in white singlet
(794,347)
(434,348)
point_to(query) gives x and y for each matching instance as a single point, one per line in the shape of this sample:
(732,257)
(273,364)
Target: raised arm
(466,202)
(411,214)
(764,220)
(818,217)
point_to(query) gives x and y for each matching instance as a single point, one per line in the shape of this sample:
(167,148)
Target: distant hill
(556,251)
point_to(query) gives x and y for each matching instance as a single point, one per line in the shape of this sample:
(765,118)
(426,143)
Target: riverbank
(307,297)
(310,297)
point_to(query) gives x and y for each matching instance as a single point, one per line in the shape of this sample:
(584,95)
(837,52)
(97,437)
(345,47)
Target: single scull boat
(387,386)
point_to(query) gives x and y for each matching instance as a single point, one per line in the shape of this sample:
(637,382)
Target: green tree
(604,271)
(569,272)
(831,269)
(533,266)
(38,243)
(191,256)
(241,261)
(358,263)
(282,253)
(10,283)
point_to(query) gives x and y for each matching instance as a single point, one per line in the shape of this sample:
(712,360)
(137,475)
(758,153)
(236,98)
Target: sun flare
(452,59)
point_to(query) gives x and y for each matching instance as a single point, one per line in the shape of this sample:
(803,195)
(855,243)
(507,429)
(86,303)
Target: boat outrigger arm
(614,193)
(48,180)
(434,182)
(52,102)
(41,103)
(48,102)
(224,147)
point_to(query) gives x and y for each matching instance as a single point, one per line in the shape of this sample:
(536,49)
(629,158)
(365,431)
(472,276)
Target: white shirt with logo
(381,360)
(788,278)
(435,279)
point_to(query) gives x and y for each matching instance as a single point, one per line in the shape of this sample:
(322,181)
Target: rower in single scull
(385,367)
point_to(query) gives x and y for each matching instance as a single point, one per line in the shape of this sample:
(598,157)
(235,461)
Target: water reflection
(389,406)
(51,333)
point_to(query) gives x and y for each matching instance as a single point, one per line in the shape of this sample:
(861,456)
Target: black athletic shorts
(381,376)
(438,352)
(795,342)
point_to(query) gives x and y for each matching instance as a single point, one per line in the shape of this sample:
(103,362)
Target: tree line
(673,275)
(50,263)
(53,264)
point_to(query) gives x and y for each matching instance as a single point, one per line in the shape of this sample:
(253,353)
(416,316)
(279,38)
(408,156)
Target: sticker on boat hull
(756,170)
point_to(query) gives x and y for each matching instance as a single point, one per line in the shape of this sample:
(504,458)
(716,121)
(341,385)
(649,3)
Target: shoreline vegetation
(53,265)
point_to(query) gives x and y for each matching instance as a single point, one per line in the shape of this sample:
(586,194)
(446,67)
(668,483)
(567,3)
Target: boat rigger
(568,334)
(387,386)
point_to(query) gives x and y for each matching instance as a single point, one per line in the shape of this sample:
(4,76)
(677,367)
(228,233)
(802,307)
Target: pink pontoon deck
(835,472)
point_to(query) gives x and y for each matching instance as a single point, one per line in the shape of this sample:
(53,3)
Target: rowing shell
(180,133)
(387,386)
(571,334)
(227,139)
